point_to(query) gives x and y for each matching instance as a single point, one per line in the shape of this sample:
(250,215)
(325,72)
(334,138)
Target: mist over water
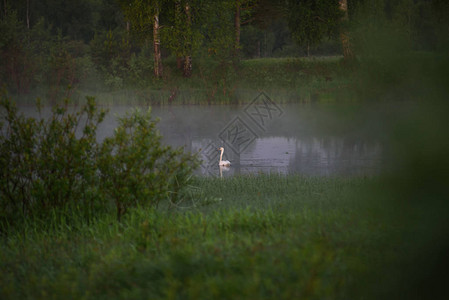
(305,139)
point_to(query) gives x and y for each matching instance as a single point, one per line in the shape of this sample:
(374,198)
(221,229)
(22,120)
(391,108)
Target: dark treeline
(59,44)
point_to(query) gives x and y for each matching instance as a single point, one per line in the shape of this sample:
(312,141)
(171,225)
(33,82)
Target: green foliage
(54,61)
(77,20)
(310,21)
(48,164)
(141,68)
(54,166)
(111,52)
(216,25)
(15,61)
(140,14)
(34,58)
(181,36)
(137,170)
(115,56)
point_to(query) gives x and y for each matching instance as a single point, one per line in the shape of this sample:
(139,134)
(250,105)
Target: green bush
(55,166)
(48,164)
(137,170)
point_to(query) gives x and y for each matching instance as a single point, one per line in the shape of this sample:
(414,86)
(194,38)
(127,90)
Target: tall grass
(263,237)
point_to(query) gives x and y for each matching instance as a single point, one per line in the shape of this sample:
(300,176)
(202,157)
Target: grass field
(254,237)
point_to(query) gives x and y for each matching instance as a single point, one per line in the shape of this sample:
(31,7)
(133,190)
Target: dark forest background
(56,46)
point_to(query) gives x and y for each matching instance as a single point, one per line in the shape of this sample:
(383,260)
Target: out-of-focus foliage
(403,64)
(399,60)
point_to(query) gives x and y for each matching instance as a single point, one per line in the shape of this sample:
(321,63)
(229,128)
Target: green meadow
(248,237)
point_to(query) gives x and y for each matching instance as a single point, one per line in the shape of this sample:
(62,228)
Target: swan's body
(225,163)
(223,169)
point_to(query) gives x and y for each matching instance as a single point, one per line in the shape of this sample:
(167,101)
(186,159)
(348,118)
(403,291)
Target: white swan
(223,162)
(223,169)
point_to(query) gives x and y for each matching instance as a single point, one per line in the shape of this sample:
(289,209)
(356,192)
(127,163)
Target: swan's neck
(221,155)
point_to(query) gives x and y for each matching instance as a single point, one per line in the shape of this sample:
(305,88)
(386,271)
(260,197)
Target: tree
(157,43)
(144,18)
(262,18)
(77,19)
(243,15)
(311,20)
(192,23)
(15,62)
(179,35)
(217,28)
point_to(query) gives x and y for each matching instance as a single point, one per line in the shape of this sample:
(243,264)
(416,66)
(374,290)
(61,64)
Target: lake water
(312,139)
(287,139)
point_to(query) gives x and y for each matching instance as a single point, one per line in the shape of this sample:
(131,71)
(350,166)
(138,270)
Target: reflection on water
(301,141)
(298,142)
(308,156)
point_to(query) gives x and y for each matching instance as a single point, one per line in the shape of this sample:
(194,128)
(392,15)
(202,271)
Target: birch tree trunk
(157,46)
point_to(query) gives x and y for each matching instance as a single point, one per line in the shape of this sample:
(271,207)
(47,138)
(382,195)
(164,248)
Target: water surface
(301,139)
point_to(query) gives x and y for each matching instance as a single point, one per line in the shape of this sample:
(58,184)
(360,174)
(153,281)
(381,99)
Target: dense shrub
(137,169)
(55,166)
